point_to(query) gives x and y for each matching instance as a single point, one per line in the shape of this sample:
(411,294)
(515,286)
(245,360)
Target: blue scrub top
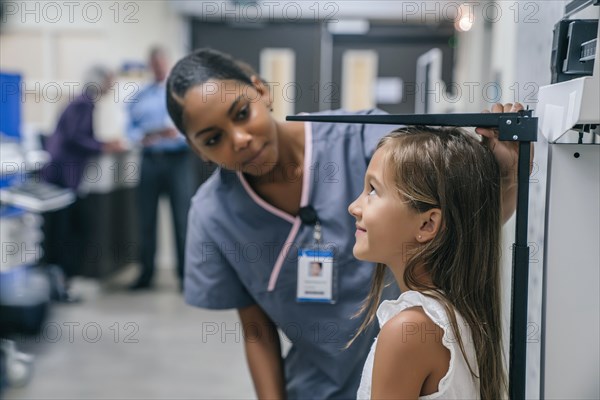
(235,241)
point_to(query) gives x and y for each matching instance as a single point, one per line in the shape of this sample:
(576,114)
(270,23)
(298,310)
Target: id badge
(316,276)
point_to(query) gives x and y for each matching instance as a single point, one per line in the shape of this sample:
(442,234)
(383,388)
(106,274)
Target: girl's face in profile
(386,227)
(229,123)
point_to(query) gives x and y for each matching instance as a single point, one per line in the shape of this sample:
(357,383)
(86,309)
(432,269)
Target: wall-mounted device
(573,49)
(572,100)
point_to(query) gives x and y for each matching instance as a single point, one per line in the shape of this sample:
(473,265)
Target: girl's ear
(431,222)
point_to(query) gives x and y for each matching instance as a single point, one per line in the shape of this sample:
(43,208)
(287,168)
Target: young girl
(430,212)
(244,228)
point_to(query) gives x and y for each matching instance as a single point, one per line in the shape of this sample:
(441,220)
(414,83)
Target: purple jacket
(72,144)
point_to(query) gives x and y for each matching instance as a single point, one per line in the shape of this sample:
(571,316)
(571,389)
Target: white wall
(513,47)
(472,57)
(53,43)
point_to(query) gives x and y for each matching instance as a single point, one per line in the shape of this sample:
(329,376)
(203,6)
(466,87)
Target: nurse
(277,204)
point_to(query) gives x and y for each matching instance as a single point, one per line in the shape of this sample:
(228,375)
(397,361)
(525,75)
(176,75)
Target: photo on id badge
(315,276)
(316,269)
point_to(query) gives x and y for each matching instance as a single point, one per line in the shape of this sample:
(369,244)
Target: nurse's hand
(507,155)
(506,152)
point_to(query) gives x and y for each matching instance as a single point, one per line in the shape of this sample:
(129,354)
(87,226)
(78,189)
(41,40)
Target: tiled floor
(144,345)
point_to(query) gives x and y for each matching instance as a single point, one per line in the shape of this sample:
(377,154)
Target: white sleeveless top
(458,383)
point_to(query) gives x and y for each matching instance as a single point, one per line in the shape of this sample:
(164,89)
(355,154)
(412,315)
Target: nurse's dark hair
(447,169)
(196,69)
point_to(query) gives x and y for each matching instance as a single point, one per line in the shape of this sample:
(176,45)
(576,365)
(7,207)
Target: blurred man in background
(165,168)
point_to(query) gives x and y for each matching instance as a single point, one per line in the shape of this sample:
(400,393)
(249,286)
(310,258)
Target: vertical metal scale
(519,127)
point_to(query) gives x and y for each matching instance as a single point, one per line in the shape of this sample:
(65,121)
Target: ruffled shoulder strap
(434,309)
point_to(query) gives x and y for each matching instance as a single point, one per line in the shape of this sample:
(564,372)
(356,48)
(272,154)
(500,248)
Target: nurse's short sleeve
(371,134)
(210,281)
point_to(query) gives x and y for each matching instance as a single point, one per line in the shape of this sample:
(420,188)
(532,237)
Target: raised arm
(507,155)
(263,352)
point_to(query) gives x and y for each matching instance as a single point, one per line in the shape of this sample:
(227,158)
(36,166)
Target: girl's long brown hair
(447,169)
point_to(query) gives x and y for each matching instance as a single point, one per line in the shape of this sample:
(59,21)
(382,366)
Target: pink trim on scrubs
(282,214)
